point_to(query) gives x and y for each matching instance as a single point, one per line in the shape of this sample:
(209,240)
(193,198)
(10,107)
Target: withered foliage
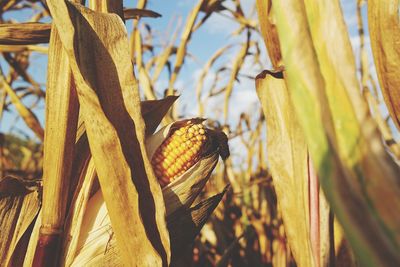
(312,179)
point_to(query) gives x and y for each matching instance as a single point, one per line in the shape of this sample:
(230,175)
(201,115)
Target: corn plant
(120,175)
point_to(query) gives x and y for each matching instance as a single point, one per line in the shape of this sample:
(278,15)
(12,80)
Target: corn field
(129,135)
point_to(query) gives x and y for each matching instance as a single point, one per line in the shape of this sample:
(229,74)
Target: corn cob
(179,152)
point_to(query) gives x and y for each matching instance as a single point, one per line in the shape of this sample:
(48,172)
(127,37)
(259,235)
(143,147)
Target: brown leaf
(135,13)
(185,224)
(18,209)
(24,33)
(13,186)
(269,32)
(154,111)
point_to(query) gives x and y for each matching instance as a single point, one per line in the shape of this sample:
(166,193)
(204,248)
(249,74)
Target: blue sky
(211,36)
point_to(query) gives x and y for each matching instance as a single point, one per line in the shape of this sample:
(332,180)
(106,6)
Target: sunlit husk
(101,249)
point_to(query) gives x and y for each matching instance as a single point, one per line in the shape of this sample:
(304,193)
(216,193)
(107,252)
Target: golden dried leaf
(19,205)
(60,134)
(22,48)
(237,65)
(288,159)
(24,33)
(185,38)
(384,30)
(269,32)
(27,115)
(96,244)
(110,105)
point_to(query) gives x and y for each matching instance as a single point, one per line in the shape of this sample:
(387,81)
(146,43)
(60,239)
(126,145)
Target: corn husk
(94,234)
(183,190)
(86,183)
(185,224)
(101,249)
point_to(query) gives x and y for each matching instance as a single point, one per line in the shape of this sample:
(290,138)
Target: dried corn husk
(101,249)
(87,184)
(93,238)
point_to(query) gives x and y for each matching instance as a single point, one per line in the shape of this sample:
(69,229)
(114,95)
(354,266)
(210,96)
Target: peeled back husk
(94,240)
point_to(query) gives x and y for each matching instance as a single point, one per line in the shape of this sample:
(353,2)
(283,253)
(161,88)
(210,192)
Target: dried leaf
(119,151)
(58,147)
(288,160)
(19,205)
(13,186)
(76,214)
(354,170)
(27,115)
(24,33)
(237,65)
(99,246)
(185,38)
(184,225)
(210,6)
(33,241)
(23,48)
(135,13)
(384,30)
(153,112)
(269,32)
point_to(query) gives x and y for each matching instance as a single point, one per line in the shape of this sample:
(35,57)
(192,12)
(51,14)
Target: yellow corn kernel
(179,152)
